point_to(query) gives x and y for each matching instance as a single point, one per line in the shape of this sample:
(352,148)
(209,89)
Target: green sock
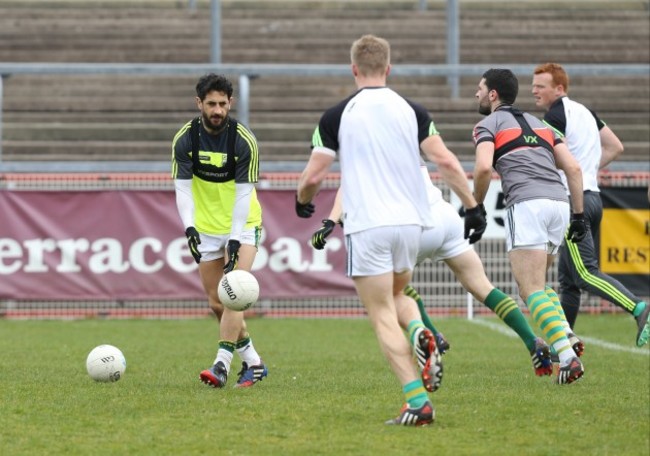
(412,329)
(508,311)
(415,394)
(411,293)
(555,299)
(227,345)
(549,321)
(242,342)
(639,308)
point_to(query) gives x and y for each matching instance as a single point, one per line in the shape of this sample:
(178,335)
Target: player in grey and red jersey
(527,155)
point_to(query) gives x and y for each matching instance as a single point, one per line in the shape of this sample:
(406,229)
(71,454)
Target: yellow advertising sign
(625,241)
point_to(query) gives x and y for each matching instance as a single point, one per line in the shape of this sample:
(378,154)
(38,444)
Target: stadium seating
(116,117)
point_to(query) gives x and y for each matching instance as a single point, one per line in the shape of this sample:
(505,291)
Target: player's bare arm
(483,169)
(449,167)
(337,208)
(610,145)
(565,161)
(313,175)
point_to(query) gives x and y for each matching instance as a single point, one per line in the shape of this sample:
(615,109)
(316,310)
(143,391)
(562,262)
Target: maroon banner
(129,245)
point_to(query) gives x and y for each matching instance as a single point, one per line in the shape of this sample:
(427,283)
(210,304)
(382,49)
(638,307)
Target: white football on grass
(105,363)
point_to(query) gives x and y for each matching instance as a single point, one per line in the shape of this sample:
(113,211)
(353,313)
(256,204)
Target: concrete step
(616,119)
(44,151)
(335,87)
(280,131)
(119,103)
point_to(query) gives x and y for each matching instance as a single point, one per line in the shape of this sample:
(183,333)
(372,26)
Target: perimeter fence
(443,295)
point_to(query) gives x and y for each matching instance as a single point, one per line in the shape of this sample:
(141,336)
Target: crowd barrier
(111,245)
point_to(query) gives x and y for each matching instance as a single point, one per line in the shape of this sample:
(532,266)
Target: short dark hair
(504,82)
(211,82)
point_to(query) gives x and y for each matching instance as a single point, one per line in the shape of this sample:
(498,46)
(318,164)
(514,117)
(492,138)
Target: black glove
(318,238)
(577,228)
(483,211)
(233,256)
(193,240)
(304,210)
(475,220)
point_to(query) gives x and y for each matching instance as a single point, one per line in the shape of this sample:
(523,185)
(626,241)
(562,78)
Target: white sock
(564,351)
(225,357)
(248,354)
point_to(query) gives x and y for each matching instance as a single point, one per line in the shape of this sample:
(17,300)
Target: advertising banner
(129,245)
(625,237)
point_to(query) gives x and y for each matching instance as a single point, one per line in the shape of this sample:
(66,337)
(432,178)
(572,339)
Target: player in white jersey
(594,145)
(377,135)
(448,242)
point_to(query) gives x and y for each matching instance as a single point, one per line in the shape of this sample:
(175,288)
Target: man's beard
(485,110)
(207,122)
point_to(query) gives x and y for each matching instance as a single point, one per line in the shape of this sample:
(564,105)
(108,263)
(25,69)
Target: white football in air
(238,290)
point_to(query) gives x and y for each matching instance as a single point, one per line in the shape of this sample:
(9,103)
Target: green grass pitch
(328,392)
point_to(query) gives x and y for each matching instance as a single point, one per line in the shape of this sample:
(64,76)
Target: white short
(383,249)
(213,247)
(447,238)
(537,224)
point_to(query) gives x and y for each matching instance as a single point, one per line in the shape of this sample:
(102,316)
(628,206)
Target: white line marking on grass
(615,347)
(504,329)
